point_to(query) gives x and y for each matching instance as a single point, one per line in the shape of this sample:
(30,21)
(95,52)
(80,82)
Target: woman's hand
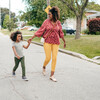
(29,40)
(64,44)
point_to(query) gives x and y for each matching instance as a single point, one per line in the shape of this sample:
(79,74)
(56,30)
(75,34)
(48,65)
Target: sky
(17,5)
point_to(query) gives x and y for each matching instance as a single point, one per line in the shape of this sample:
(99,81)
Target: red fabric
(54,36)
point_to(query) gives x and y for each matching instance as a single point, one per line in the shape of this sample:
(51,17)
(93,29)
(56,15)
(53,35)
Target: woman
(51,30)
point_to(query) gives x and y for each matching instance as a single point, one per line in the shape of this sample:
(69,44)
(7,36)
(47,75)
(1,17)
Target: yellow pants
(51,48)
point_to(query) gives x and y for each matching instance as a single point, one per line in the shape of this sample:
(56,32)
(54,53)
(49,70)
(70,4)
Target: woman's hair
(13,35)
(55,13)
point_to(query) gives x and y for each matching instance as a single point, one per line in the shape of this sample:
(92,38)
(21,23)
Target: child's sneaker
(13,73)
(24,78)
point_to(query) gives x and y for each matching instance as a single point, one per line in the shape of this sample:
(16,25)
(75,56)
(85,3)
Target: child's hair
(13,35)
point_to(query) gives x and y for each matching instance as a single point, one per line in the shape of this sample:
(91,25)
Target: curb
(81,56)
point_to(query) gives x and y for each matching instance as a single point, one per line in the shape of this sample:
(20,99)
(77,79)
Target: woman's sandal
(53,79)
(44,72)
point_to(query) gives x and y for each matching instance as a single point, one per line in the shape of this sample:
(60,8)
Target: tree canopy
(4,12)
(78,8)
(36,14)
(93,6)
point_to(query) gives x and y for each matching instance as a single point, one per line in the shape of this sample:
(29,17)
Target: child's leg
(16,64)
(23,66)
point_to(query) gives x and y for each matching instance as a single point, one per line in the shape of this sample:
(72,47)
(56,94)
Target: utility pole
(9,10)
(0,17)
(48,4)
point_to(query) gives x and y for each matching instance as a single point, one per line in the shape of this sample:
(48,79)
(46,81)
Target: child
(17,47)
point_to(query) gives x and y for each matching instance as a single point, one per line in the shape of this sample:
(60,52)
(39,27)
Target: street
(77,79)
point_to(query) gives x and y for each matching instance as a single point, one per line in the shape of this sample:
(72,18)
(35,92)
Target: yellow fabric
(51,49)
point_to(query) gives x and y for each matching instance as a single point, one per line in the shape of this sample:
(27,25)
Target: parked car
(18,28)
(25,27)
(33,28)
(69,30)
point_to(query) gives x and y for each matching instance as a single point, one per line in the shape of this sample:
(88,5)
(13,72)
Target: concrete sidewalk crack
(14,89)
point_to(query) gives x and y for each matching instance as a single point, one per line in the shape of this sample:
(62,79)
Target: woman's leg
(47,49)
(16,63)
(54,58)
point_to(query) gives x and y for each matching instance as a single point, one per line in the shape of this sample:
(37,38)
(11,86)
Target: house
(89,14)
(20,23)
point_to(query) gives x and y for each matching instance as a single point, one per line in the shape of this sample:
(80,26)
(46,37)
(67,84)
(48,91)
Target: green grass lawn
(24,32)
(88,45)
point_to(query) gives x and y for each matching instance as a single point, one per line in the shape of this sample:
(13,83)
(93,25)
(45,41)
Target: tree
(10,25)
(65,12)
(36,14)
(5,21)
(4,12)
(93,6)
(68,8)
(78,7)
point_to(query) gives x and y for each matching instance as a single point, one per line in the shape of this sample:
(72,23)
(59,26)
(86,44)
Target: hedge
(94,25)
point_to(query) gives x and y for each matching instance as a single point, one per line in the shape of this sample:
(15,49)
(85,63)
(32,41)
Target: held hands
(29,40)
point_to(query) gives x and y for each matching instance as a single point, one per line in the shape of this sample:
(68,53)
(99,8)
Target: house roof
(94,15)
(91,11)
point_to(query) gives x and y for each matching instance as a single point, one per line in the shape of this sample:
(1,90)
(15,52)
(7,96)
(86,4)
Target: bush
(98,33)
(86,31)
(10,25)
(5,21)
(94,26)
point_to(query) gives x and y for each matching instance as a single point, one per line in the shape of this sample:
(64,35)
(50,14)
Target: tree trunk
(78,27)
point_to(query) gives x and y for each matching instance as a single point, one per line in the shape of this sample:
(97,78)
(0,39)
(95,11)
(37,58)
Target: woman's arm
(18,57)
(41,30)
(64,42)
(61,34)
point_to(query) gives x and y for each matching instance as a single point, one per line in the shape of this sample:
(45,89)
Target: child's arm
(18,57)
(27,45)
